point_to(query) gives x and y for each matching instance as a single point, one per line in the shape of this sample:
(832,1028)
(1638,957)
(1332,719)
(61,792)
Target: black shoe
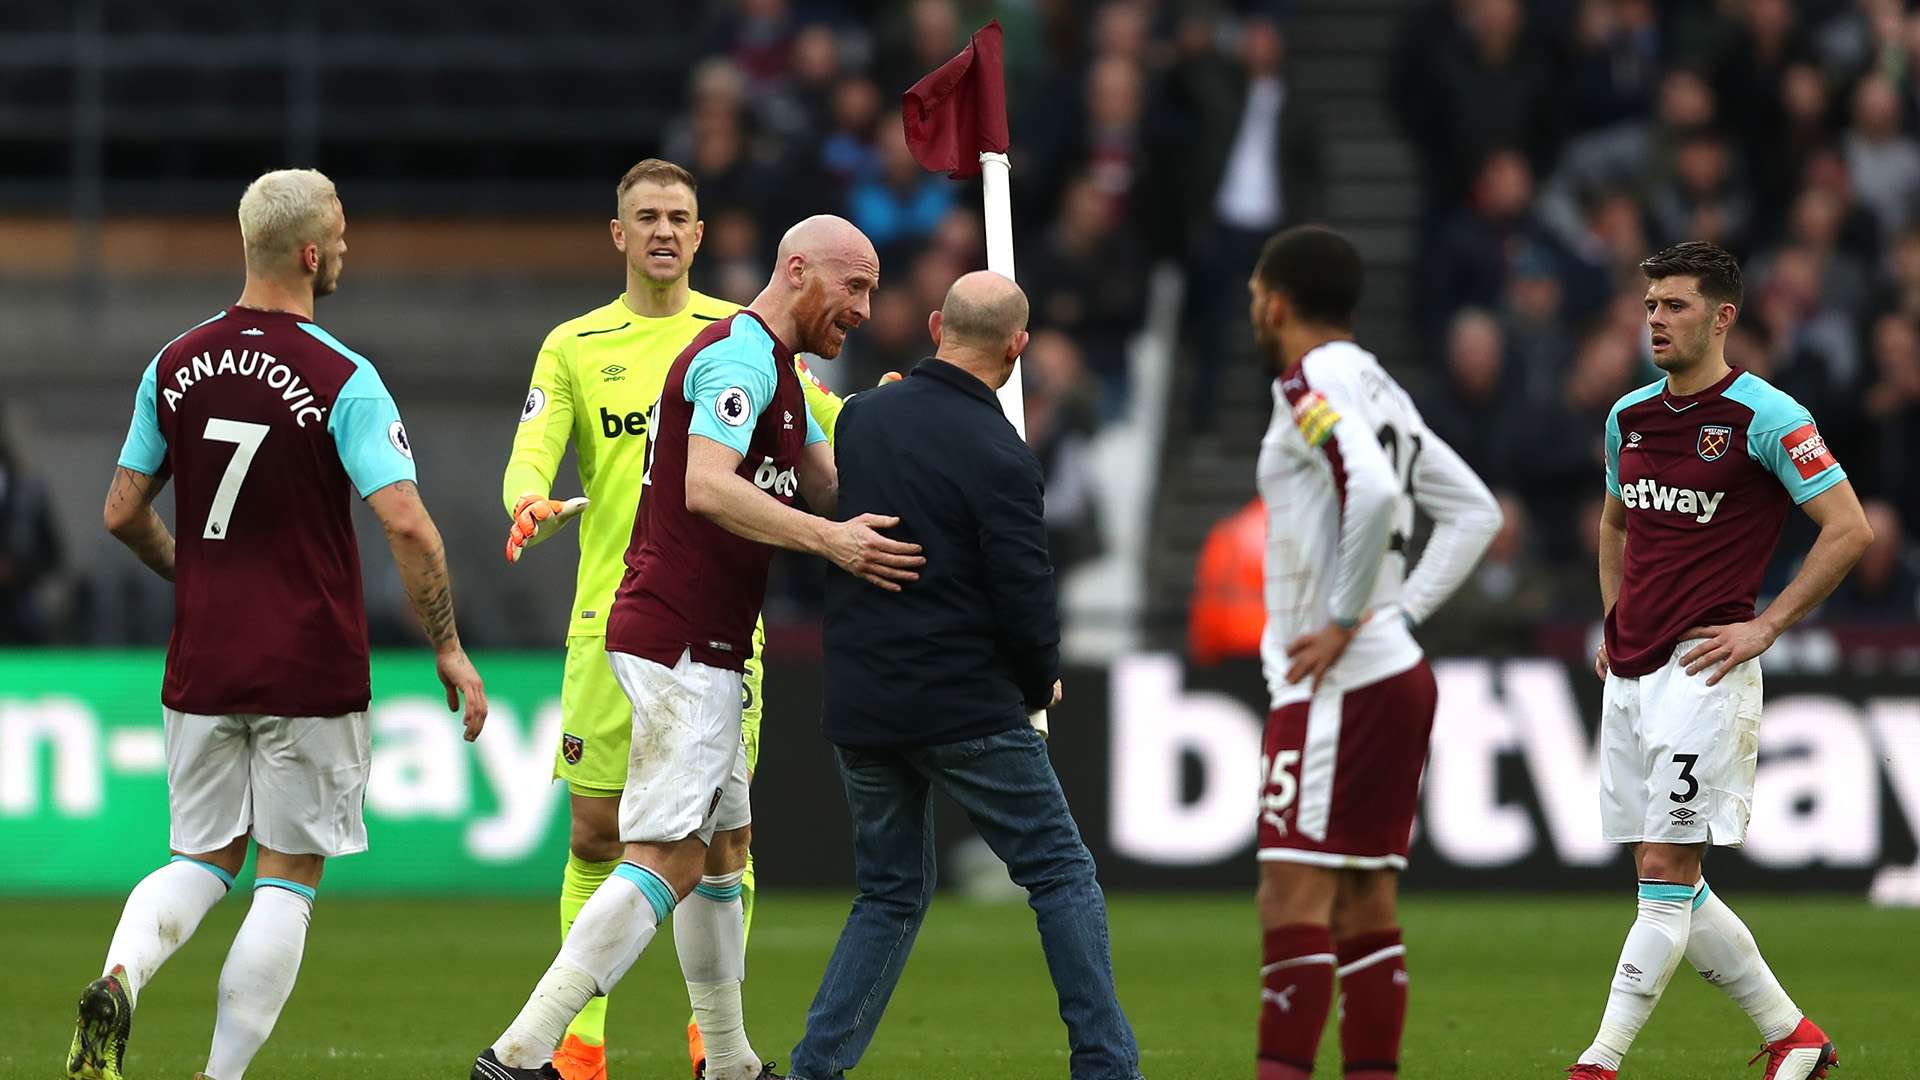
(767,1073)
(100,1033)
(488,1067)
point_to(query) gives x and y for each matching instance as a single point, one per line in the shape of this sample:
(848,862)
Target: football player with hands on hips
(1344,465)
(1702,468)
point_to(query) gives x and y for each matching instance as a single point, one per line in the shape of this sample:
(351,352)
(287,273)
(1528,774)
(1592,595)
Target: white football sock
(710,934)
(1722,949)
(612,930)
(1653,950)
(258,975)
(162,912)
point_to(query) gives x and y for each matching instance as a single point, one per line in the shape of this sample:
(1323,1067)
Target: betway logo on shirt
(1646,494)
(779,481)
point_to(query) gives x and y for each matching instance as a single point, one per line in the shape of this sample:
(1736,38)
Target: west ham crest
(571,747)
(1714,440)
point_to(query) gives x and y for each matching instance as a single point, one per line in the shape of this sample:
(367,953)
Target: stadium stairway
(1339,53)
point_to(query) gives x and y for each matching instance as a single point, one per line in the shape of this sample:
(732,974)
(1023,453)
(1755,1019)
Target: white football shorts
(686,762)
(1677,756)
(296,784)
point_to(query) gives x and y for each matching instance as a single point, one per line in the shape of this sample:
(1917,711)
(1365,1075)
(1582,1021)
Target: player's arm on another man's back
(729,389)
(137,479)
(378,460)
(1465,519)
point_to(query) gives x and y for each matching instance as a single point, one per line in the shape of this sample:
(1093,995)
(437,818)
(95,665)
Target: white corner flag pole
(996,190)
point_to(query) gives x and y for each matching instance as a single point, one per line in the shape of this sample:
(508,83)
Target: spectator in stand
(1473,406)
(1898,289)
(1088,280)
(1858,232)
(1748,77)
(926,35)
(1556,449)
(896,202)
(1472,258)
(1534,326)
(1062,417)
(1612,73)
(1621,159)
(1882,160)
(800,105)
(1871,36)
(847,151)
(1704,198)
(1467,80)
(1891,410)
(762,42)
(1883,585)
(29,551)
(1604,254)
(732,266)
(1807,122)
(1254,164)
(717,89)
(1816,358)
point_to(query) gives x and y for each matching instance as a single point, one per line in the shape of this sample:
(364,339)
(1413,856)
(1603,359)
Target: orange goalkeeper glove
(536,518)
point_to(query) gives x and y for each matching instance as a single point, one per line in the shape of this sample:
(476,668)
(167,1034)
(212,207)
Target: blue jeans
(1006,785)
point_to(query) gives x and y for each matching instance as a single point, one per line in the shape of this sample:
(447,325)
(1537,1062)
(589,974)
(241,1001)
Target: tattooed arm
(422,559)
(130,517)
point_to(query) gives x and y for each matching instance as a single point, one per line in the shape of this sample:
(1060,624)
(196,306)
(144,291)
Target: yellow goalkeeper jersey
(595,382)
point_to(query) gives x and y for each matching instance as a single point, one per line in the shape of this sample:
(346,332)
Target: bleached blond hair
(283,211)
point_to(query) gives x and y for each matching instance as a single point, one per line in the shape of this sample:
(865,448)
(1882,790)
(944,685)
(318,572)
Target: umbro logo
(1683,814)
(1633,441)
(613,373)
(253,331)
(789,421)
(1631,970)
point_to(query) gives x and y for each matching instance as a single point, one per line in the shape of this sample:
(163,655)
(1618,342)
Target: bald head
(826,237)
(826,272)
(982,326)
(983,310)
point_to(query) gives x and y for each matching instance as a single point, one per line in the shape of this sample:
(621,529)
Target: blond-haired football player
(595,383)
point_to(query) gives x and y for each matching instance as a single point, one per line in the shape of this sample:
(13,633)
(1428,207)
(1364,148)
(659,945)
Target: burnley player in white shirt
(1342,468)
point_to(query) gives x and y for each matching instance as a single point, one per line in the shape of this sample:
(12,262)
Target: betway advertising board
(1160,762)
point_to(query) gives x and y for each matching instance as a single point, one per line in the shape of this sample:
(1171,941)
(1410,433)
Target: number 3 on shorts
(1685,761)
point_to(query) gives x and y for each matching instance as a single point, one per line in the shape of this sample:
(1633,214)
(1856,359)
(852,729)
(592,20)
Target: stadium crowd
(1558,144)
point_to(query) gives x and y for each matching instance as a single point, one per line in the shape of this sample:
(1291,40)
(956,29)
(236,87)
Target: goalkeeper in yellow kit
(595,382)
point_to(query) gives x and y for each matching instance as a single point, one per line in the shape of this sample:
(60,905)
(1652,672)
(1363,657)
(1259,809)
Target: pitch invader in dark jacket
(931,686)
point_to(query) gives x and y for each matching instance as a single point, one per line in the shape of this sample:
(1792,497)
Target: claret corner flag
(959,111)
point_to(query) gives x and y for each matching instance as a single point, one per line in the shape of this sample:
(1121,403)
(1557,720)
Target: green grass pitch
(1503,987)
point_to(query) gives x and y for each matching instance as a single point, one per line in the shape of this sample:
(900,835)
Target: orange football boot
(579,1060)
(696,1050)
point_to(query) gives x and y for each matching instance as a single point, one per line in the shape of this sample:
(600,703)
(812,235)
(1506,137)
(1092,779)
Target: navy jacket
(974,644)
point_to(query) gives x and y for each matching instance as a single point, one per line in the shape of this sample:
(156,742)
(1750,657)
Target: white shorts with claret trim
(1677,756)
(296,784)
(686,763)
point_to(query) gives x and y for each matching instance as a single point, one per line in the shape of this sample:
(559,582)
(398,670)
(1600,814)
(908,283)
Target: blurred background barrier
(1158,759)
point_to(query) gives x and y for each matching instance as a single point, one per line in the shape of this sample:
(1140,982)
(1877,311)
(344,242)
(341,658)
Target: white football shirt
(1344,463)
